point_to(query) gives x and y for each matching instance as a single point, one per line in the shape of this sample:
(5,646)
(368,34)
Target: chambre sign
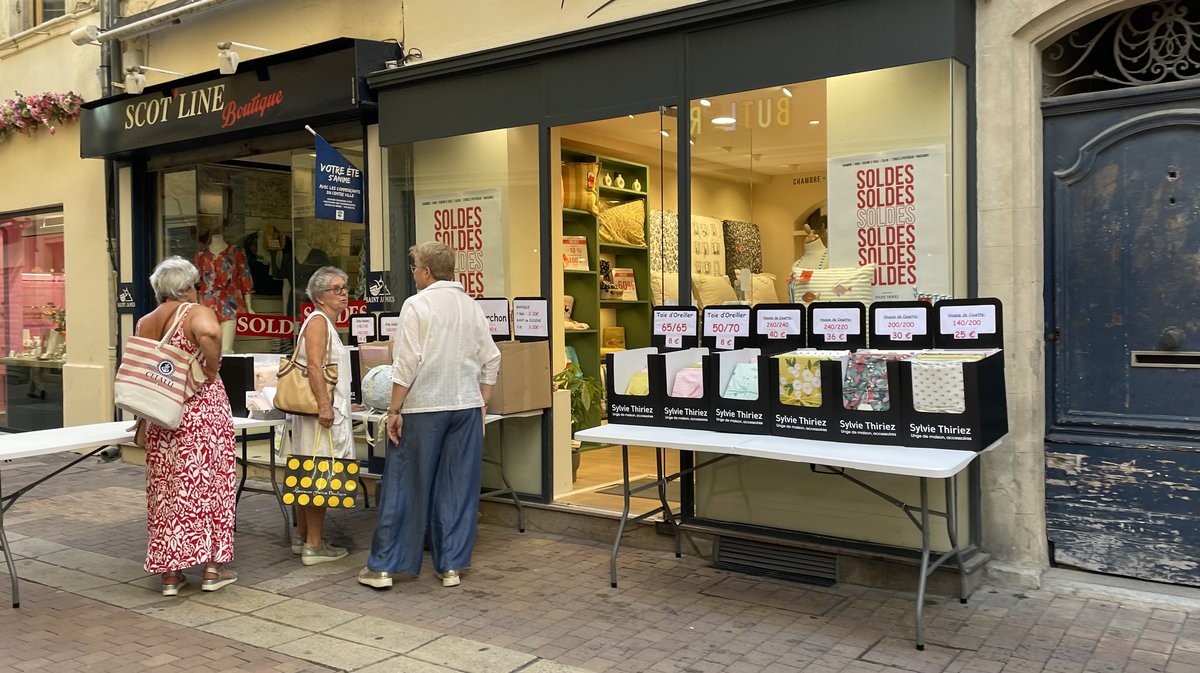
(198,108)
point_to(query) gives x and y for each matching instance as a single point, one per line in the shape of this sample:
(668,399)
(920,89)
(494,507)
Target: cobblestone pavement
(536,603)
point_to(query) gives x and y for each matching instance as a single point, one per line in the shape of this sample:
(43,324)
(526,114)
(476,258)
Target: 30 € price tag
(779,323)
(900,324)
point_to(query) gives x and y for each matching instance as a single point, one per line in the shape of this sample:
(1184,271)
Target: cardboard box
(679,412)
(524,381)
(984,420)
(373,354)
(731,414)
(629,409)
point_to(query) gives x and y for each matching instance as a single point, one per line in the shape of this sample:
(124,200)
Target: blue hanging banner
(338,186)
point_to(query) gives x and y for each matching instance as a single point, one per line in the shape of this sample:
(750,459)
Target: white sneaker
(450,578)
(297,544)
(311,556)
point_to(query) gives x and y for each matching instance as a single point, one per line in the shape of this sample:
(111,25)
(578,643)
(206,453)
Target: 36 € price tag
(900,324)
(835,324)
(779,323)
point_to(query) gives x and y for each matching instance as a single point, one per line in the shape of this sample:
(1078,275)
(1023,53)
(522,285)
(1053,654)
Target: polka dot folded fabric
(937,387)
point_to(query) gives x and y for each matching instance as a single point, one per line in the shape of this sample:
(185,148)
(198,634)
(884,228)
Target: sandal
(217,576)
(172,588)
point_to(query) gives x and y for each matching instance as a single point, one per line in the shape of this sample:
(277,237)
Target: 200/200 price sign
(900,324)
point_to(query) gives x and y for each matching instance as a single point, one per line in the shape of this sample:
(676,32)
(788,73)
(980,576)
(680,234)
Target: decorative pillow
(841,284)
(743,246)
(708,246)
(712,290)
(623,222)
(579,186)
(664,240)
(762,289)
(664,288)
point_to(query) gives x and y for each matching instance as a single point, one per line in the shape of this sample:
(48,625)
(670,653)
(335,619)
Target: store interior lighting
(228,59)
(135,77)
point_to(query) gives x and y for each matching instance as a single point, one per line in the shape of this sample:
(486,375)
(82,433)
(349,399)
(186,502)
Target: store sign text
(155,109)
(762,113)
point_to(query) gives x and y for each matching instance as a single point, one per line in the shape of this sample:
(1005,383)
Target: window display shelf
(621,246)
(605,189)
(620,303)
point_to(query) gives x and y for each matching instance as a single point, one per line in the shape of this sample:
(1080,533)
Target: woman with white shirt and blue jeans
(444,367)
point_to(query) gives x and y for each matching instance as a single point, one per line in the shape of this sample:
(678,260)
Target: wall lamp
(227,58)
(135,77)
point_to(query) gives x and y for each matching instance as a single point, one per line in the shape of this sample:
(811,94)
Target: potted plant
(586,395)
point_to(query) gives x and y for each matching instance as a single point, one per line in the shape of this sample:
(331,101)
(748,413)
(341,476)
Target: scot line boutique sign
(889,209)
(470,223)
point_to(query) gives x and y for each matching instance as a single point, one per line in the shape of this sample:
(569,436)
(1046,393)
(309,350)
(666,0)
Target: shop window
(251,229)
(33,339)
(479,194)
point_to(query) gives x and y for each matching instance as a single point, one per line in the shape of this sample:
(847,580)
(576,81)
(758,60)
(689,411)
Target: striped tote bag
(156,378)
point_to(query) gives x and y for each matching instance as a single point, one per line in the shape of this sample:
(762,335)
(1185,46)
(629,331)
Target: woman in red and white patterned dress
(190,471)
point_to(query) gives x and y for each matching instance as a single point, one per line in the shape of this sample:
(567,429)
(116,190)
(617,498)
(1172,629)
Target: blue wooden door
(1122,183)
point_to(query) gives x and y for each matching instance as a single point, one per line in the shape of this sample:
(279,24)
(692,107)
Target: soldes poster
(468,222)
(890,209)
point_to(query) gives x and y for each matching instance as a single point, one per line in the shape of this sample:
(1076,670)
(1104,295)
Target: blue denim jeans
(430,479)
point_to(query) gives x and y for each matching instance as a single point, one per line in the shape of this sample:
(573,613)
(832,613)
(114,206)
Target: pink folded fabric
(689,382)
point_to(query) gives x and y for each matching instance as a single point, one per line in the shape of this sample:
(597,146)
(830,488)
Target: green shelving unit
(584,286)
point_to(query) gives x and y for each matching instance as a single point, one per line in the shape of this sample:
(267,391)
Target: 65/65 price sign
(674,326)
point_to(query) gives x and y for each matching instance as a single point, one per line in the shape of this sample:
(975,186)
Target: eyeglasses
(414,268)
(340,289)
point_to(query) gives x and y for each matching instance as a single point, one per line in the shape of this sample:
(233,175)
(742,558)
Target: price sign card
(362,327)
(672,326)
(389,325)
(967,322)
(723,325)
(837,325)
(495,309)
(531,318)
(780,323)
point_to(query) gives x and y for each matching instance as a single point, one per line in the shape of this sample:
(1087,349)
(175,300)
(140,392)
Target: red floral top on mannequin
(224,281)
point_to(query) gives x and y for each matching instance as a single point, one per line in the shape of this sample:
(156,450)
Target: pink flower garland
(25,114)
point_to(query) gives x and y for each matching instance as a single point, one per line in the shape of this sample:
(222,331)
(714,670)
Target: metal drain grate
(772,560)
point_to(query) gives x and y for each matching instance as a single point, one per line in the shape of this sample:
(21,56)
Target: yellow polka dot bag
(321,480)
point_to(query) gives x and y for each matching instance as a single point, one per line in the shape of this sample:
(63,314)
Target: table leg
(624,514)
(924,564)
(245,462)
(287,521)
(8,556)
(660,460)
(952,533)
(511,492)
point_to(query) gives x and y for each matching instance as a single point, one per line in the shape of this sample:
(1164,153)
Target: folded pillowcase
(800,380)
(743,382)
(639,384)
(623,223)
(712,290)
(579,186)
(689,382)
(841,284)
(937,387)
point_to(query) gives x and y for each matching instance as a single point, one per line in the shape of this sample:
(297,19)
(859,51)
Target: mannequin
(225,284)
(815,255)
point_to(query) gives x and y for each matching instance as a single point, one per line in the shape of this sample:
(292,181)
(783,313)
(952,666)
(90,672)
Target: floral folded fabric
(865,384)
(639,384)
(689,382)
(800,380)
(937,387)
(743,383)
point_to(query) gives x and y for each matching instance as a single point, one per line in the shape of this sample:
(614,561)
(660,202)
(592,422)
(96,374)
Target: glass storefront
(33,340)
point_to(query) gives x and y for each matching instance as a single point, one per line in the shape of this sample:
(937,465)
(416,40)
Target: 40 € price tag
(779,323)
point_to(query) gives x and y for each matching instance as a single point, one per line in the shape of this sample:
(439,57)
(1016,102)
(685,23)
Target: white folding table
(89,440)
(826,457)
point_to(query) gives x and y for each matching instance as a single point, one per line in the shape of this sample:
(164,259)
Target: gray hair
(173,277)
(435,256)
(322,278)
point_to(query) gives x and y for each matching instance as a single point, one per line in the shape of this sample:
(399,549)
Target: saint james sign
(323,81)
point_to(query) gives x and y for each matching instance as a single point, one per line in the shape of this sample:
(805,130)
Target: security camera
(85,35)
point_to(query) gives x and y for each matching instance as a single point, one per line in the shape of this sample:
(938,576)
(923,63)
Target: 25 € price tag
(835,324)
(679,323)
(779,323)
(967,322)
(900,324)
(733,322)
